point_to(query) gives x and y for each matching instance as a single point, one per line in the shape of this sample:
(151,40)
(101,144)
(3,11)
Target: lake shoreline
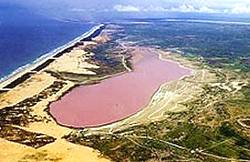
(114,77)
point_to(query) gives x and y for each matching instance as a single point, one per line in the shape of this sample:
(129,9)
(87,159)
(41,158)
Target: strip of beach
(23,73)
(27,132)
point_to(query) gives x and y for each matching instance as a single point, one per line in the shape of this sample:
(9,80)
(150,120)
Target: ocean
(25,36)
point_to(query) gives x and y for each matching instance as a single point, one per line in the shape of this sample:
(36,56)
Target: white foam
(53,52)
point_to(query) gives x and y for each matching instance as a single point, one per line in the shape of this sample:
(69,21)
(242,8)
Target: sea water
(26,36)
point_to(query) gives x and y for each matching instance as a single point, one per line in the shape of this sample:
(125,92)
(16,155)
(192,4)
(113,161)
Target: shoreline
(52,94)
(179,64)
(129,120)
(30,68)
(28,110)
(191,72)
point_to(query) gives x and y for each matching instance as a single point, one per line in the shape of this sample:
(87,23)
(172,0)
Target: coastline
(24,118)
(38,99)
(21,71)
(202,115)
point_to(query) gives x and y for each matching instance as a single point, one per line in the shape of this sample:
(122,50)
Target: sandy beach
(51,55)
(34,95)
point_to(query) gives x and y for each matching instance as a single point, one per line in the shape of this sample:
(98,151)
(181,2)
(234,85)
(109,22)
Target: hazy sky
(110,4)
(60,7)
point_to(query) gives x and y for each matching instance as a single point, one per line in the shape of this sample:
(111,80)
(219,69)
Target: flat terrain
(200,117)
(28,132)
(118,97)
(203,117)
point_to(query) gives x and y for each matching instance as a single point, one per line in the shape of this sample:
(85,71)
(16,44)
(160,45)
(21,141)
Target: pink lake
(119,97)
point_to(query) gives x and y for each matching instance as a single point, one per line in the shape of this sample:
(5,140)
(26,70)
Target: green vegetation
(21,136)
(209,129)
(221,46)
(199,134)
(21,113)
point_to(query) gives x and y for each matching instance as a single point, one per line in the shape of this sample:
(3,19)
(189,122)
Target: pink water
(118,97)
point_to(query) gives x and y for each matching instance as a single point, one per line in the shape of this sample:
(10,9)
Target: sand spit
(21,74)
(23,110)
